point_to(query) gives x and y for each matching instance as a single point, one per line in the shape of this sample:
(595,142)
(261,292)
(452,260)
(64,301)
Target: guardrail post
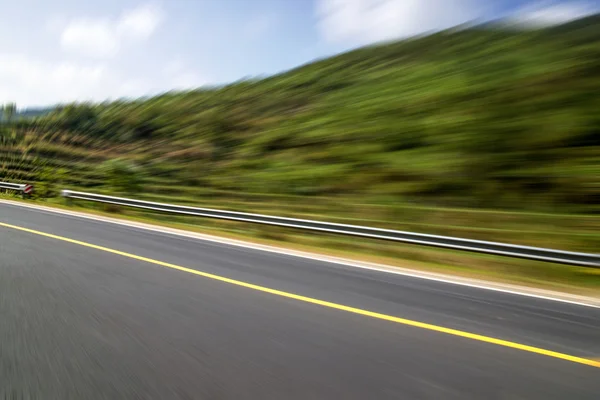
(68,199)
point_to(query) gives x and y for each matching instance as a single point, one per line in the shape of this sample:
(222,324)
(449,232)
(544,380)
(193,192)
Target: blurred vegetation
(419,134)
(122,176)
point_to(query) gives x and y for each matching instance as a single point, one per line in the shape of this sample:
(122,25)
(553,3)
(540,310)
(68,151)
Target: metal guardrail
(13,186)
(24,188)
(502,249)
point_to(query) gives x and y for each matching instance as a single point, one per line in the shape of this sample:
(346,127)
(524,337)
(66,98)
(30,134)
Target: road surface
(93,310)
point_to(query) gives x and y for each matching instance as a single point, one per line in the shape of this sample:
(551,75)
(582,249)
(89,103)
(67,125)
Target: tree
(122,175)
(77,117)
(49,181)
(9,111)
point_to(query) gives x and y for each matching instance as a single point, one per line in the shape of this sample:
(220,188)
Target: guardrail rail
(24,188)
(478,246)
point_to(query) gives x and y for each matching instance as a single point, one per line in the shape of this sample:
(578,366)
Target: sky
(94,50)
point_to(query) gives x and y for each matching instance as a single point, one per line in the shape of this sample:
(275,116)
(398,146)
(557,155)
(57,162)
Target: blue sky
(68,50)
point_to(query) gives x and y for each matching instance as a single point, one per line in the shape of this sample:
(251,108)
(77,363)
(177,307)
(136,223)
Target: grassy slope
(484,133)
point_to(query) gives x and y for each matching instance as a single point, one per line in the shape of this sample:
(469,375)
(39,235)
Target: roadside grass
(568,279)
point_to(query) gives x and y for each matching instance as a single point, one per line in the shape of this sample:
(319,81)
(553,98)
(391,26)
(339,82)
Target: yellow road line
(417,324)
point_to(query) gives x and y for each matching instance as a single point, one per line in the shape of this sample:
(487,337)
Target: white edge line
(515,290)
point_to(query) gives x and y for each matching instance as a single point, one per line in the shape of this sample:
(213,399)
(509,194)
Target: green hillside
(402,134)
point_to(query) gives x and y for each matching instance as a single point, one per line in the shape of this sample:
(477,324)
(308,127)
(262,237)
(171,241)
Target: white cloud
(140,22)
(31,82)
(30,79)
(548,13)
(360,22)
(90,38)
(103,37)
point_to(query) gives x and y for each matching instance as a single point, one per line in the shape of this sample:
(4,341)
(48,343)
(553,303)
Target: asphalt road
(83,323)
